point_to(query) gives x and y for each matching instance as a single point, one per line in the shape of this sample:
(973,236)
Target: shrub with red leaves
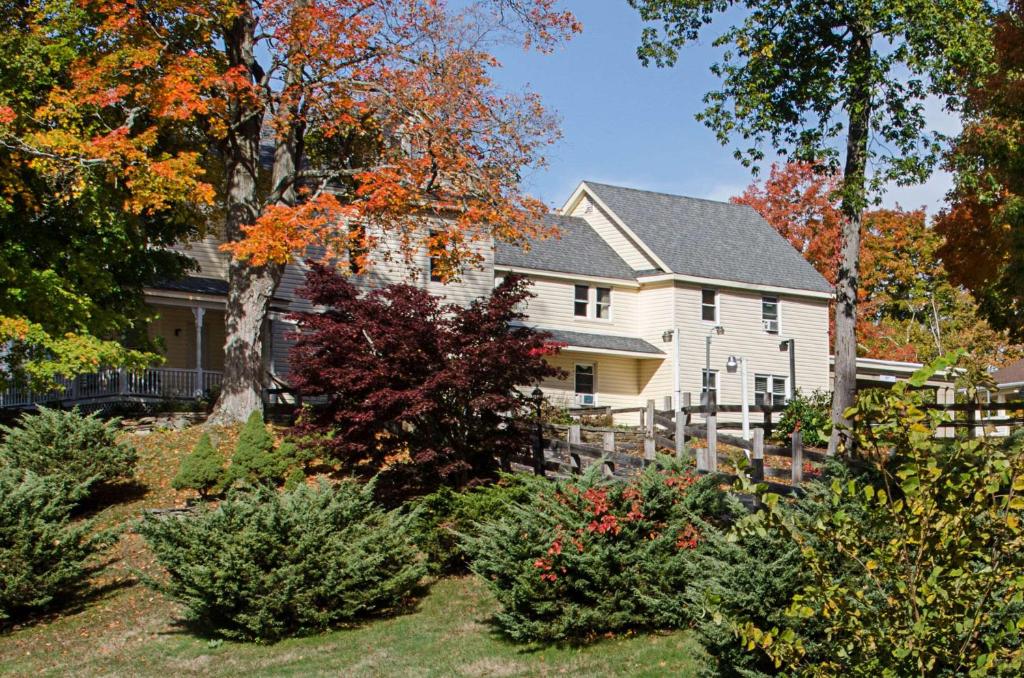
(424,389)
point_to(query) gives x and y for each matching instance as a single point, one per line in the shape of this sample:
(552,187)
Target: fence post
(609,441)
(757,457)
(712,423)
(649,446)
(681,421)
(971,422)
(767,409)
(122,381)
(574,434)
(798,457)
(667,401)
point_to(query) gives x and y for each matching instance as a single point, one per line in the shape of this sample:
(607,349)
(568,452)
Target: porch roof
(604,343)
(195,285)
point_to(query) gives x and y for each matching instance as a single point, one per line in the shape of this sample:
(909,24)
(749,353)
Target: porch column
(199,312)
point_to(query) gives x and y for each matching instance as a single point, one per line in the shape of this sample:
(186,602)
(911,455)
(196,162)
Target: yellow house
(652,295)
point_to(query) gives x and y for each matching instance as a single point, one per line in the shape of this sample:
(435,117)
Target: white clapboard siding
(615,380)
(553,307)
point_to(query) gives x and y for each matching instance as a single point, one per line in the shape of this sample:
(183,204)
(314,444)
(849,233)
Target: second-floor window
(770,314)
(435,263)
(709,305)
(592,302)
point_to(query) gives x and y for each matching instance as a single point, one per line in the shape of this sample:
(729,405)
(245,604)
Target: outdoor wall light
(732,363)
(666,336)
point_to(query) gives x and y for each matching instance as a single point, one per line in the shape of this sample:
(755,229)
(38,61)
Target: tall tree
(984,225)
(379,114)
(821,80)
(77,242)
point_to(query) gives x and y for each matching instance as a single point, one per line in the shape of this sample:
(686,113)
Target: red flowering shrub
(593,556)
(425,389)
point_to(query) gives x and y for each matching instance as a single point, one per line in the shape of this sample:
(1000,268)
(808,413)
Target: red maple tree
(428,391)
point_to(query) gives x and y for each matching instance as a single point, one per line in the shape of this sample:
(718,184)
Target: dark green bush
(82,450)
(255,460)
(43,555)
(202,470)
(265,565)
(590,555)
(442,519)
(812,413)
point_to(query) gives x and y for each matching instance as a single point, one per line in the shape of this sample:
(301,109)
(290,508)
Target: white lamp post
(731,365)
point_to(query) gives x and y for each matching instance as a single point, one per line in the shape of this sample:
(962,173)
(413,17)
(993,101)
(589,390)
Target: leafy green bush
(202,470)
(43,555)
(265,565)
(913,569)
(79,449)
(591,555)
(255,460)
(442,519)
(811,413)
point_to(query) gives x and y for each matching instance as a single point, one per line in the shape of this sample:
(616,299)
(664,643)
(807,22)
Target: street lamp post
(790,345)
(731,365)
(719,330)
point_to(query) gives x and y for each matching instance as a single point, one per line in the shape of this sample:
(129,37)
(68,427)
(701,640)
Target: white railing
(106,384)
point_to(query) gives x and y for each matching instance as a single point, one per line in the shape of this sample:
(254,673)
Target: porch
(111,386)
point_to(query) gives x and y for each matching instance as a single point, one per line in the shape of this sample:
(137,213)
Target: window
(580,306)
(592,302)
(435,261)
(770,314)
(769,389)
(358,249)
(603,302)
(584,385)
(709,383)
(709,305)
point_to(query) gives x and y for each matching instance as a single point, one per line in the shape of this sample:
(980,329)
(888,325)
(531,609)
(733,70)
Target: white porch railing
(110,384)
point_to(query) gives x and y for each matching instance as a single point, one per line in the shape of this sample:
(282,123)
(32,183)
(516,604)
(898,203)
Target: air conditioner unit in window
(586,399)
(771,326)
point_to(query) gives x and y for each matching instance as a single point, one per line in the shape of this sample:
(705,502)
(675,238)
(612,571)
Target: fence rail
(164,383)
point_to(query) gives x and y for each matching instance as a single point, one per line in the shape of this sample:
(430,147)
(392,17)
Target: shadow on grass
(213,630)
(70,602)
(105,495)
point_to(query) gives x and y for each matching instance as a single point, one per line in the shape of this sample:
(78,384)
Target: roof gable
(578,249)
(710,239)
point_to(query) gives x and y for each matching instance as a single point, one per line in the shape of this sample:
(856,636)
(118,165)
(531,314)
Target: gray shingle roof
(602,341)
(711,239)
(579,250)
(195,284)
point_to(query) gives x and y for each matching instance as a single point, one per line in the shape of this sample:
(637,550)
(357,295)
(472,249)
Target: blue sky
(634,126)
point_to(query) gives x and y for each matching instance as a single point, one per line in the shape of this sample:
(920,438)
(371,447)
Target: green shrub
(79,449)
(255,460)
(914,568)
(441,520)
(295,478)
(812,413)
(265,565)
(43,555)
(202,470)
(591,555)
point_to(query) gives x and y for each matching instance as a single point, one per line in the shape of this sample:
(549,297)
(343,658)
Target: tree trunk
(858,106)
(249,287)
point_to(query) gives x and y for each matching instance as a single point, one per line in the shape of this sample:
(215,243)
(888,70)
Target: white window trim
(575,392)
(718,306)
(591,315)
(778,312)
(770,377)
(714,374)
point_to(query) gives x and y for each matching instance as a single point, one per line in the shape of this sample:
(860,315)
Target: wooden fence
(561,451)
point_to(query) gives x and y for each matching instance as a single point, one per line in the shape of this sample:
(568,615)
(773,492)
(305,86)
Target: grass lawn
(126,629)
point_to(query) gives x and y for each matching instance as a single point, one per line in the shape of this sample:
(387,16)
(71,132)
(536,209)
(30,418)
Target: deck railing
(110,384)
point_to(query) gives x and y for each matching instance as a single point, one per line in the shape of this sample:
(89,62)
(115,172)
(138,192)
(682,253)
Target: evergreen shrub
(265,565)
(69,446)
(442,519)
(202,470)
(589,555)
(255,460)
(44,556)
